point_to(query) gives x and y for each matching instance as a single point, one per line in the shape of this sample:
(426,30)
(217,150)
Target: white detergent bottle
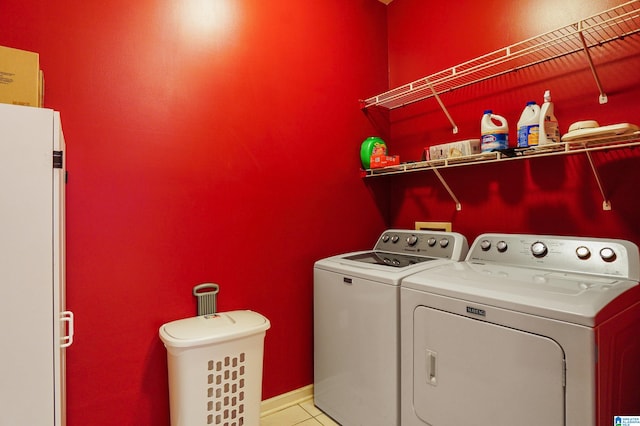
(549,130)
(529,125)
(495,132)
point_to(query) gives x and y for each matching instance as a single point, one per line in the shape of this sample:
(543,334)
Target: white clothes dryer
(529,330)
(356,311)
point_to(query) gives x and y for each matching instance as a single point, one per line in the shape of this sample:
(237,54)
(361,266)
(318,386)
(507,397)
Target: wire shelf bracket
(606,204)
(448,188)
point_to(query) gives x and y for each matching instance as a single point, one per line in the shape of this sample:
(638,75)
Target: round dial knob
(385,238)
(501,246)
(539,249)
(412,240)
(485,245)
(395,239)
(431,241)
(583,252)
(607,254)
(444,242)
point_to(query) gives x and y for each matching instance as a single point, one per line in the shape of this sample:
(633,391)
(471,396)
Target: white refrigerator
(36,327)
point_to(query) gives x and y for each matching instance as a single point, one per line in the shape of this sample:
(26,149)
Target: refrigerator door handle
(67,316)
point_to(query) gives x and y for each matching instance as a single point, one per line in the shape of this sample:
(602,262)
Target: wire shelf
(584,146)
(613,24)
(563,148)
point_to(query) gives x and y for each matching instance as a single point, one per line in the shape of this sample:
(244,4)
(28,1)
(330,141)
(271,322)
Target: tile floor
(304,413)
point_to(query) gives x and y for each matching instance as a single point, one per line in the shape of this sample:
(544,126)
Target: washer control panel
(600,256)
(445,245)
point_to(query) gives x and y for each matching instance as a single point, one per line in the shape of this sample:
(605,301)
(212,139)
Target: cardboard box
(453,149)
(380,160)
(21,81)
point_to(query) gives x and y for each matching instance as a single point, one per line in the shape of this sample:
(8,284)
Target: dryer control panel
(438,244)
(599,256)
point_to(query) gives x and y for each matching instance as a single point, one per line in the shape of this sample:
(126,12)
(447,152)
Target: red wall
(227,152)
(544,196)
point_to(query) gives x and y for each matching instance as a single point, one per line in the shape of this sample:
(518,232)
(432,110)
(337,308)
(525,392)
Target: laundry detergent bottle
(529,125)
(549,130)
(495,132)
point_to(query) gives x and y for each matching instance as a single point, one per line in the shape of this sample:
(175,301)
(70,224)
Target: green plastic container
(369,146)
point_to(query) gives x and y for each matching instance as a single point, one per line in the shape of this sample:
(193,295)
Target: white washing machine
(356,311)
(529,330)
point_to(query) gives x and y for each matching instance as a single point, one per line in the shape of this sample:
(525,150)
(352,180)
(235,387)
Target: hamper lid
(206,329)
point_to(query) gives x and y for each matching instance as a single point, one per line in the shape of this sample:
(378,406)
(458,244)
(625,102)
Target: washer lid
(384,274)
(393,260)
(207,329)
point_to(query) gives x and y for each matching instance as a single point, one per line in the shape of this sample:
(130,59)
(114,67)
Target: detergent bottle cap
(488,111)
(531,103)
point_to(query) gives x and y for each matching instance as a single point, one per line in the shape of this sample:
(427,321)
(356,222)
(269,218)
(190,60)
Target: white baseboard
(279,402)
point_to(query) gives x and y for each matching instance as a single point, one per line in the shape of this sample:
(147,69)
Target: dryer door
(471,372)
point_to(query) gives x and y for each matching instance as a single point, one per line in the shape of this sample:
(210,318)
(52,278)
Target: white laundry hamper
(215,368)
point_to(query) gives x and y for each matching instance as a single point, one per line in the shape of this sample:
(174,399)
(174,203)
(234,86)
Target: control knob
(395,239)
(444,243)
(485,245)
(607,254)
(385,238)
(502,246)
(412,240)
(539,249)
(583,252)
(431,241)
